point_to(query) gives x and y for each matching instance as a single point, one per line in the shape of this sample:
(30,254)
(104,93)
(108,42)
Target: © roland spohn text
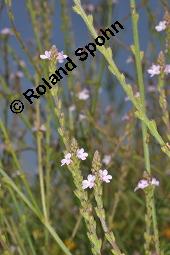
(82,53)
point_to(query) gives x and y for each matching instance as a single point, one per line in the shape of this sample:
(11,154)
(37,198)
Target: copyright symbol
(17,106)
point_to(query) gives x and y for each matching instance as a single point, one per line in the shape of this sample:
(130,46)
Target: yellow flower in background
(70,244)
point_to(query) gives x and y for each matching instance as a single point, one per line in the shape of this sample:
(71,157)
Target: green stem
(40,168)
(138,58)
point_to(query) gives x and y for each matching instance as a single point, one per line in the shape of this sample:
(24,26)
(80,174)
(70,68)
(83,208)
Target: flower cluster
(6,31)
(83,95)
(90,182)
(156,70)
(161,26)
(60,56)
(81,154)
(144,183)
(107,159)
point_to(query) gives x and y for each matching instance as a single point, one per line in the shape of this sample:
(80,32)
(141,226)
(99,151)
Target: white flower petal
(161,26)
(154,70)
(85,184)
(155,182)
(43,57)
(167,69)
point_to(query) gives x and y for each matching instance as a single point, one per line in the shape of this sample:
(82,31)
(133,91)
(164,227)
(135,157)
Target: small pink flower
(137,94)
(84,94)
(61,56)
(81,154)
(125,117)
(151,89)
(142,184)
(127,99)
(19,74)
(129,60)
(167,69)
(67,159)
(47,55)
(72,108)
(105,177)
(161,26)
(154,70)
(155,182)
(89,7)
(107,159)
(6,31)
(41,128)
(82,117)
(89,183)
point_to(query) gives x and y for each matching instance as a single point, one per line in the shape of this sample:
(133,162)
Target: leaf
(77,9)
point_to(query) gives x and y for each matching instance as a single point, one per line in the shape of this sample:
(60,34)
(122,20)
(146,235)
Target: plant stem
(40,167)
(138,58)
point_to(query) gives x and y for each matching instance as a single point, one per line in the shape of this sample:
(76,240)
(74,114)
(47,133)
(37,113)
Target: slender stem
(40,165)
(138,58)
(23,226)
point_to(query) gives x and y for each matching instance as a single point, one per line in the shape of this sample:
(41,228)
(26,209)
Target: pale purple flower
(82,117)
(81,154)
(18,74)
(84,94)
(161,26)
(107,159)
(154,70)
(43,128)
(46,55)
(152,89)
(142,184)
(15,174)
(89,7)
(61,56)
(67,159)
(154,181)
(167,69)
(129,60)
(6,31)
(89,183)
(105,177)
(72,108)
(127,99)
(125,117)
(137,94)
